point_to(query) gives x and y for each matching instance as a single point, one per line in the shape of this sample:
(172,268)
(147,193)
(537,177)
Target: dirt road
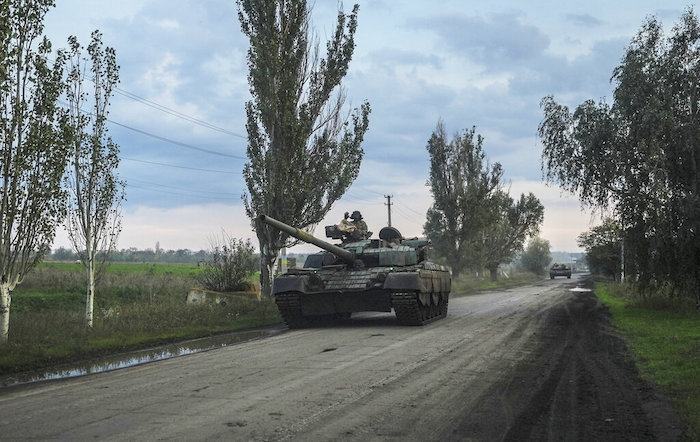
(533,363)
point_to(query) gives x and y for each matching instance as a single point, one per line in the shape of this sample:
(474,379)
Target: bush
(231,265)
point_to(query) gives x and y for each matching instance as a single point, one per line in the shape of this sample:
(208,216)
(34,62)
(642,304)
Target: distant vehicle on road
(560,270)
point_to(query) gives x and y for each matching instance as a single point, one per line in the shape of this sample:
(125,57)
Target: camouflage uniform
(361,232)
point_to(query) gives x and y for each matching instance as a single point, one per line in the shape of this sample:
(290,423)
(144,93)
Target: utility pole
(388,206)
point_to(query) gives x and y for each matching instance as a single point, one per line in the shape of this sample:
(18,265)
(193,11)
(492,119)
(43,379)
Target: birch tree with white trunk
(95,191)
(32,152)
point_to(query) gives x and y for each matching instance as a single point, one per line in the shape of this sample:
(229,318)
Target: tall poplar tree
(463,184)
(95,192)
(32,154)
(304,151)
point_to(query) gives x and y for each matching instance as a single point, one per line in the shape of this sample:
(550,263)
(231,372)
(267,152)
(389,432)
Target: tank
(560,270)
(380,275)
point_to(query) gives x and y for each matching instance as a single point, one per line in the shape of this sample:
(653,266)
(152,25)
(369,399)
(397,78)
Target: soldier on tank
(360,227)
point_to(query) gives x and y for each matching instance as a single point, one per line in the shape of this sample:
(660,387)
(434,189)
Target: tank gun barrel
(341,253)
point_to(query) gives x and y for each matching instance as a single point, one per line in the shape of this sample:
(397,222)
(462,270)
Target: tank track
(408,308)
(289,306)
(410,311)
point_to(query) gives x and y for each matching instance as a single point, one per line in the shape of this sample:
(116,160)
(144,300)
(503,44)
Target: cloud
(583,20)
(564,219)
(183,227)
(166,23)
(497,41)
(393,59)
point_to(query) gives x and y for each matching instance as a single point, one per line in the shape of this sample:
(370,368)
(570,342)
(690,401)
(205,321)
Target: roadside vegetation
(138,306)
(469,284)
(664,335)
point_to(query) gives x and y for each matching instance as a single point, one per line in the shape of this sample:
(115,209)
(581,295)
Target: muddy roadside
(581,383)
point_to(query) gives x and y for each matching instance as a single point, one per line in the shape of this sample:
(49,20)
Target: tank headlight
(381,277)
(315,282)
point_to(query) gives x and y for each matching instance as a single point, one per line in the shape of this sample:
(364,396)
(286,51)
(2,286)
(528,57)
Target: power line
(175,113)
(178,167)
(354,198)
(400,208)
(177,188)
(170,111)
(167,140)
(180,191)
(412,210)
(182,194)
(373,191)
(178,143)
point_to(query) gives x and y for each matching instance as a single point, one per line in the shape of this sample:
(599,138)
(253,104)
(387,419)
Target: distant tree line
(638,159)
(133,254)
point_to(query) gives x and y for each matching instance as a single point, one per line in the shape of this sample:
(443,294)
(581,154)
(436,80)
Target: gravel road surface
(539,362)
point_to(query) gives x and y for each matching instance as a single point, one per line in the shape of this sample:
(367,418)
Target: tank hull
(417,295)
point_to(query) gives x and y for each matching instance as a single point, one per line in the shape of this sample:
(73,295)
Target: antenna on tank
(388,207)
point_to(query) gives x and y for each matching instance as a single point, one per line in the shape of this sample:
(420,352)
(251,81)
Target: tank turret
(382,274)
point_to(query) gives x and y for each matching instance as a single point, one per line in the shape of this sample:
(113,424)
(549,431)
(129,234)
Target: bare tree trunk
(266,264)
(493,271)
(5,299)
(89,304)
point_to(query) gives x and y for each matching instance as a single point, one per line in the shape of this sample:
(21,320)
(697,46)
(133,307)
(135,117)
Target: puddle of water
(139,357)
(580,289)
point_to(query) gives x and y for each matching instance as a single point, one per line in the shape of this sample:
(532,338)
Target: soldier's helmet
(356,215)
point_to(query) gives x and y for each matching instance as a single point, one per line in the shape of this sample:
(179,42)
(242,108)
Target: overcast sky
(178,115)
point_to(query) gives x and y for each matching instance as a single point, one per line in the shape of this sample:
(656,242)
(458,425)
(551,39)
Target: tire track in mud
(578,384)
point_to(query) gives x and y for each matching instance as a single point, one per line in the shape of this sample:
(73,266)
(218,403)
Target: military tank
(382,274)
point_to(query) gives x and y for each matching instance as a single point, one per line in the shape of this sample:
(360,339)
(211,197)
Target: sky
(178,113)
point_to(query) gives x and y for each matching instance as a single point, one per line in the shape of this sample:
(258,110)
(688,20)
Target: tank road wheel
(289,305)
(406,307)
(414,309)
(444,300)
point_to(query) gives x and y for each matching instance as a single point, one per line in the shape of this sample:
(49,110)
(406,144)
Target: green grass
(42,339)
(136,306)
(128,268)
(666,344)
(48,299)
(470,284)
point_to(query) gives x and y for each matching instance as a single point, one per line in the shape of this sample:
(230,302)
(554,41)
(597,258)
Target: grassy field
(128,267)
(136,306)
(665,341)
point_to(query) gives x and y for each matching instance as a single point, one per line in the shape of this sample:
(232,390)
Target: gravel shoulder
(534,363)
